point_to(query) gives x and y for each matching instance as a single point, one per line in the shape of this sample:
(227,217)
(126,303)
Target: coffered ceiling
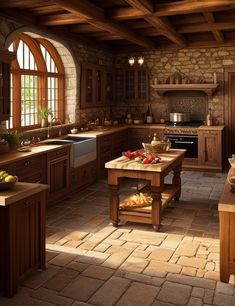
(126,24)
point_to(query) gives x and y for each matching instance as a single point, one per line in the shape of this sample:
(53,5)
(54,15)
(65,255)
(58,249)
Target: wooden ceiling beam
(218,35)
(160,23)
(61,19)
(145,6)
(173,8)
(206,27)
(96,16)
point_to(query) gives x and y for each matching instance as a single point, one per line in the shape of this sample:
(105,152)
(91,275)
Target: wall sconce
(139,60)
(131,60)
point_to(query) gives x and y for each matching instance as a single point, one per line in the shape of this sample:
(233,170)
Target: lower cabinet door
(58,178)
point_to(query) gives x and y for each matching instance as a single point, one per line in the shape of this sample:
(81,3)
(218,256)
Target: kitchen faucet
(51,125)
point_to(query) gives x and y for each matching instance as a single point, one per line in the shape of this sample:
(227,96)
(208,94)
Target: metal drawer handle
(185,142)
(26,163)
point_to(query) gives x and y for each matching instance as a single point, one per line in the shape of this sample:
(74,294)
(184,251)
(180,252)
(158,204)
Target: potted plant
(13,139)
(43,113)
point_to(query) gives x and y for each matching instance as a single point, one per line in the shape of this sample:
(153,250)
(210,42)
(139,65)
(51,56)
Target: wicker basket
(161,147)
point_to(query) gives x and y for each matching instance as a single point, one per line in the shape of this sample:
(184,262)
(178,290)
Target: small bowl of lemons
(7,181)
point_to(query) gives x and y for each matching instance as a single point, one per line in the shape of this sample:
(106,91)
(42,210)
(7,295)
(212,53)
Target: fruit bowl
(7,185)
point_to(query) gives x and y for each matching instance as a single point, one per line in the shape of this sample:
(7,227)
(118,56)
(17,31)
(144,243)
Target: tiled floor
(92,263)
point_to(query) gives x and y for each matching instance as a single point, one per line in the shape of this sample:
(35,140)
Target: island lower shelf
(144,214)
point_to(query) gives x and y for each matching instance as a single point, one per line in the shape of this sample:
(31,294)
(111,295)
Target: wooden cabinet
(85,174)
(136,84)
(22,237)
(210,148)
(31,169)
(97,86)
(5,59)
(104,154)
(136,136)
(58,170)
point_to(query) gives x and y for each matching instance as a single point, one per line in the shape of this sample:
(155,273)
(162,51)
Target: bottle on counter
(155,140)
(209,118)
(149,116)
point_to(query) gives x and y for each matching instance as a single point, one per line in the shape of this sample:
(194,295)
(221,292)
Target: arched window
(37,81)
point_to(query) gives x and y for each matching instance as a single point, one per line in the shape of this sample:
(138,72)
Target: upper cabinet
(136,84)
(5,61)
(97,86)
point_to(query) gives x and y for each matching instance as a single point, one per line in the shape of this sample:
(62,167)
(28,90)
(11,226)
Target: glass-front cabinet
(136,84)
(97,86)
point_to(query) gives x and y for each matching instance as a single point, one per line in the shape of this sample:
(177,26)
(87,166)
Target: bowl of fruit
(7,181)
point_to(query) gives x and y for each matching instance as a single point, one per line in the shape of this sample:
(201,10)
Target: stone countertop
(19,192)
(124,163)
(12,156)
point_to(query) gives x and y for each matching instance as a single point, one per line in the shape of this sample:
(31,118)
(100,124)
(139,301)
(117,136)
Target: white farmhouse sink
(83,149)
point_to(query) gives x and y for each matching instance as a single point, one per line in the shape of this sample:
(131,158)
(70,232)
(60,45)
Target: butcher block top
(227,199)
(20,191)
(167,158)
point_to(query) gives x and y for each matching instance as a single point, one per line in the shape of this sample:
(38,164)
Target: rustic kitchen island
(154,174)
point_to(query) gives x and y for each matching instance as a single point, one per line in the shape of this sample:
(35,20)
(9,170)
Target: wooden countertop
(12,156)
(124,163)
(19,192)
(227,199)
(211,127)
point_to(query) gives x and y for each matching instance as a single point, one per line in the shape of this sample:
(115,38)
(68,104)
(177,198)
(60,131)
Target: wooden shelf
(144,214)
(208,89)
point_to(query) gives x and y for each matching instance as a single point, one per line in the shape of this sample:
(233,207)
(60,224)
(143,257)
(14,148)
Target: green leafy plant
(44,112)
(13,139)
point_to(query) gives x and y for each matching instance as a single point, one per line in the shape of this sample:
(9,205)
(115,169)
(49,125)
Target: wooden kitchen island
(22,234)
(154,174)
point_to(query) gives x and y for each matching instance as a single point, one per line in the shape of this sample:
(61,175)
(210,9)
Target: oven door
(187,142)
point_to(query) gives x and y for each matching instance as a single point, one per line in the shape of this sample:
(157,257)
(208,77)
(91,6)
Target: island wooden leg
(156,208)
(114,204)
(224,246)
(177,181)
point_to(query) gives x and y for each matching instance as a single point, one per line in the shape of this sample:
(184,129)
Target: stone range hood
(208,89)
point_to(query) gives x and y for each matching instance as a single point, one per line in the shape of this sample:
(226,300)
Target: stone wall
(199,65)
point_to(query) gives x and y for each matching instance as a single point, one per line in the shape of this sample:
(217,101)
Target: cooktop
(194,123)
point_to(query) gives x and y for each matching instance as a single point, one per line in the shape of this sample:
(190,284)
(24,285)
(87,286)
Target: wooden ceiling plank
(96,17)
(48,9)
(218,35)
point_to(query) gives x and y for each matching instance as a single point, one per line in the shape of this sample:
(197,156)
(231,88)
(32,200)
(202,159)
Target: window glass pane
(11,48)
(29,100)
(25,57)
(53,96)
(51,66)
(9,123)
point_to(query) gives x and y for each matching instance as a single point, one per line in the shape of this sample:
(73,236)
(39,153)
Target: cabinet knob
(26,163)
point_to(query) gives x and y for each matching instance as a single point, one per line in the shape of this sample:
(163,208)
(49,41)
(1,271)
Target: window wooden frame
(42,73)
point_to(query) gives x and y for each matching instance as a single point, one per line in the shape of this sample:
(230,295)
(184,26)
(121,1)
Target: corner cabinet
(210,144)
(97,86)
(5,61)
(136,84)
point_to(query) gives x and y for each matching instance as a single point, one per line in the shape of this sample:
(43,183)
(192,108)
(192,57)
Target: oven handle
(185,142)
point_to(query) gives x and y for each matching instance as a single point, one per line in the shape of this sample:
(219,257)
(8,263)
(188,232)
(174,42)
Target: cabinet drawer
(28,164)
(58,153)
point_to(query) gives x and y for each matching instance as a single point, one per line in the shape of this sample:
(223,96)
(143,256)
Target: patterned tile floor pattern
(91,263)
